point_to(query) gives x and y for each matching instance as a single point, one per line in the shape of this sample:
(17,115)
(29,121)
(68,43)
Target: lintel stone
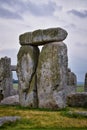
(41,37)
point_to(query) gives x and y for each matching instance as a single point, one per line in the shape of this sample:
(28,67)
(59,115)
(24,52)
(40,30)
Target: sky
(20,16)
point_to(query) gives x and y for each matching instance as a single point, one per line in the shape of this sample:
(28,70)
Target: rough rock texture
(51,76)
(11,100)
(41,37)
(26,68)
(77,99)
(13,67)
(8,119)
(71,82)
(1,96)
(14,92)
(6,84)
(71,78)
(85,83)
(78,113)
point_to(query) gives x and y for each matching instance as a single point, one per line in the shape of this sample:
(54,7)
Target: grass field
(40,119)
(15,86)
(80,88)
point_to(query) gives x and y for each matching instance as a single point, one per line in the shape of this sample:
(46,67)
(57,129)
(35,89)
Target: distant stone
(71,82)
(85,83)
(9,119)
(26,68)
(13,67)
(6,85)
(71,78)
(51,76)
(41,37)
(11,100)
(78,99)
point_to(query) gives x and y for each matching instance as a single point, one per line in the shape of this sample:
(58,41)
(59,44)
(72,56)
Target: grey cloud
(81,14)
(22,7)
(4,13)
(40,10)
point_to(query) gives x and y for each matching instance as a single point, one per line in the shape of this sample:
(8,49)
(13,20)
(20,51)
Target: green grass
(40,119)
(15,86)
(80,88)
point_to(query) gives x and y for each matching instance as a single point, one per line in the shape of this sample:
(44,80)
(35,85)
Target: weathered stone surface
(11,100)
(26,68)
(85,83)
(8,119)
(77,99)
(71,78)
(1,96)
(14,92)
(78,113)
(71,82)
(6,84)
(41,37)
(52,76)
(13,67)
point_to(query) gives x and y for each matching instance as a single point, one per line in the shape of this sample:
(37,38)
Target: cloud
(81,14)
(9,9)
(17,8)
(4,13)
(19,16)
(42,9)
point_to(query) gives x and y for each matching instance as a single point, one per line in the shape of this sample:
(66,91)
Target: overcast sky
(19,16)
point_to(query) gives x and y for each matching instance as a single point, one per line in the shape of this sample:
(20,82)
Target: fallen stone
(78,113)
(8,119)
(51,76)
(78,99)
(11,100)
(41,37)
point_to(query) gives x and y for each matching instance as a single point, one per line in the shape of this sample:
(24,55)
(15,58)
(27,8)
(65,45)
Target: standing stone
(71,82)
(13,67)
(6,84)
(26,68)
(85,84)
(52,76)
(72,79)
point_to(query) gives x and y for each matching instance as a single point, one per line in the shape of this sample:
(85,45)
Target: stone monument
(43,77)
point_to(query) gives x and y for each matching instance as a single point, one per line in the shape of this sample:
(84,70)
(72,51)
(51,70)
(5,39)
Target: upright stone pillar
(52,76)
(26,68)
(71,82)
(85,83)
(6,84)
